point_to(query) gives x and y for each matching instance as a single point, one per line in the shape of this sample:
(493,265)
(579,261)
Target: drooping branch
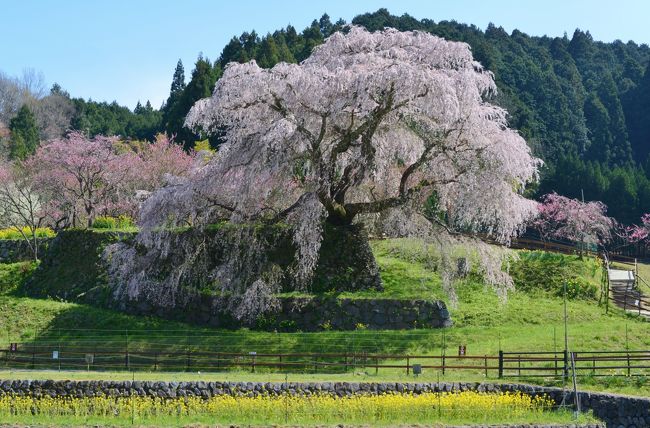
(370,123)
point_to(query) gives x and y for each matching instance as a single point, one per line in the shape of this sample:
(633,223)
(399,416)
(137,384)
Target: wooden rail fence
(586,363)
(505,364)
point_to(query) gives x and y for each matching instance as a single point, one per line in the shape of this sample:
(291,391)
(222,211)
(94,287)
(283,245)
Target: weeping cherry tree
(372,128)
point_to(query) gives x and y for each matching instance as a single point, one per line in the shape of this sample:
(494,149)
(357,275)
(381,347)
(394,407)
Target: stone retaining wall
(349,314)
(616,410)
(308,314)
(17,250)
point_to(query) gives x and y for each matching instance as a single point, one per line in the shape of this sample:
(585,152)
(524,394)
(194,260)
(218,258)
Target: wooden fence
(505,364)
(617,250)
(586,363)
(632,302)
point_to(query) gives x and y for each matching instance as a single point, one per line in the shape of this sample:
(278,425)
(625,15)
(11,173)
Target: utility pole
(566,341)
(566,354)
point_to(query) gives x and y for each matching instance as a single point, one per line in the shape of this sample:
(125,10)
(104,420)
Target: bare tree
(11,98)
(53,111)
(53,114)
(21,206)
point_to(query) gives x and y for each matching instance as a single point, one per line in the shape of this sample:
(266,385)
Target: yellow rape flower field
(16,233)
(399,408)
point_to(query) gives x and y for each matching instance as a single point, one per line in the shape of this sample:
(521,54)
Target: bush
(537,270)
(578,288)
(12,275)
(108,222)
(14,233)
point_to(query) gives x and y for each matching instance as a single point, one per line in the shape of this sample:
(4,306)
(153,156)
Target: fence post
(443,351)
(593,366)
(628,365)
(500,364)
(486,367)
(566,364)
(126,349)
(407,365)
(443,364)
(607,292)
(354,354)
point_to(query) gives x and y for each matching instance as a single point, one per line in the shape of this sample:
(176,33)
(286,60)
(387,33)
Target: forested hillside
(583,105)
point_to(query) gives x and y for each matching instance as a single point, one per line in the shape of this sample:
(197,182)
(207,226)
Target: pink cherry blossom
(82,178)
(564,218)
(637,233)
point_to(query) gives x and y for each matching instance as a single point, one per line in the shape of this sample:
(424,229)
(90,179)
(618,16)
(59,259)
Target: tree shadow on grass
(71,333)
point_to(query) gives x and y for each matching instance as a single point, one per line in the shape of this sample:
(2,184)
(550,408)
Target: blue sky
(126,50)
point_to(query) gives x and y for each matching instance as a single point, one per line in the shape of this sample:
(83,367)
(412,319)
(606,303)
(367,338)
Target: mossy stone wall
(18,250)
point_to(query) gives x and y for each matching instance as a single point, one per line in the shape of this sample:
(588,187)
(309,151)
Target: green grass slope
(531,319)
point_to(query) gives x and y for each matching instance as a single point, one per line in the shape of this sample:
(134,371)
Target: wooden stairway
(624,292)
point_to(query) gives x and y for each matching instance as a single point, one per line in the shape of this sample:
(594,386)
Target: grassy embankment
(531,319)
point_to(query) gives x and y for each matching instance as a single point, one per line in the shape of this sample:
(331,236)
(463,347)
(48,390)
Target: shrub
(288,325)
(104,222)
(578,288)
(108,222)
(12,275)
(537,270)
(14,233)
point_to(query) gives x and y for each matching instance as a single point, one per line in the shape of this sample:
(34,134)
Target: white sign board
(55,355)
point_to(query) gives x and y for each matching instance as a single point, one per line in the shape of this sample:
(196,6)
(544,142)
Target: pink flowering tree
(363,131)
(22,207)
(81,178)
(636,233)
(82,175)
(579,222)
(160,160)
